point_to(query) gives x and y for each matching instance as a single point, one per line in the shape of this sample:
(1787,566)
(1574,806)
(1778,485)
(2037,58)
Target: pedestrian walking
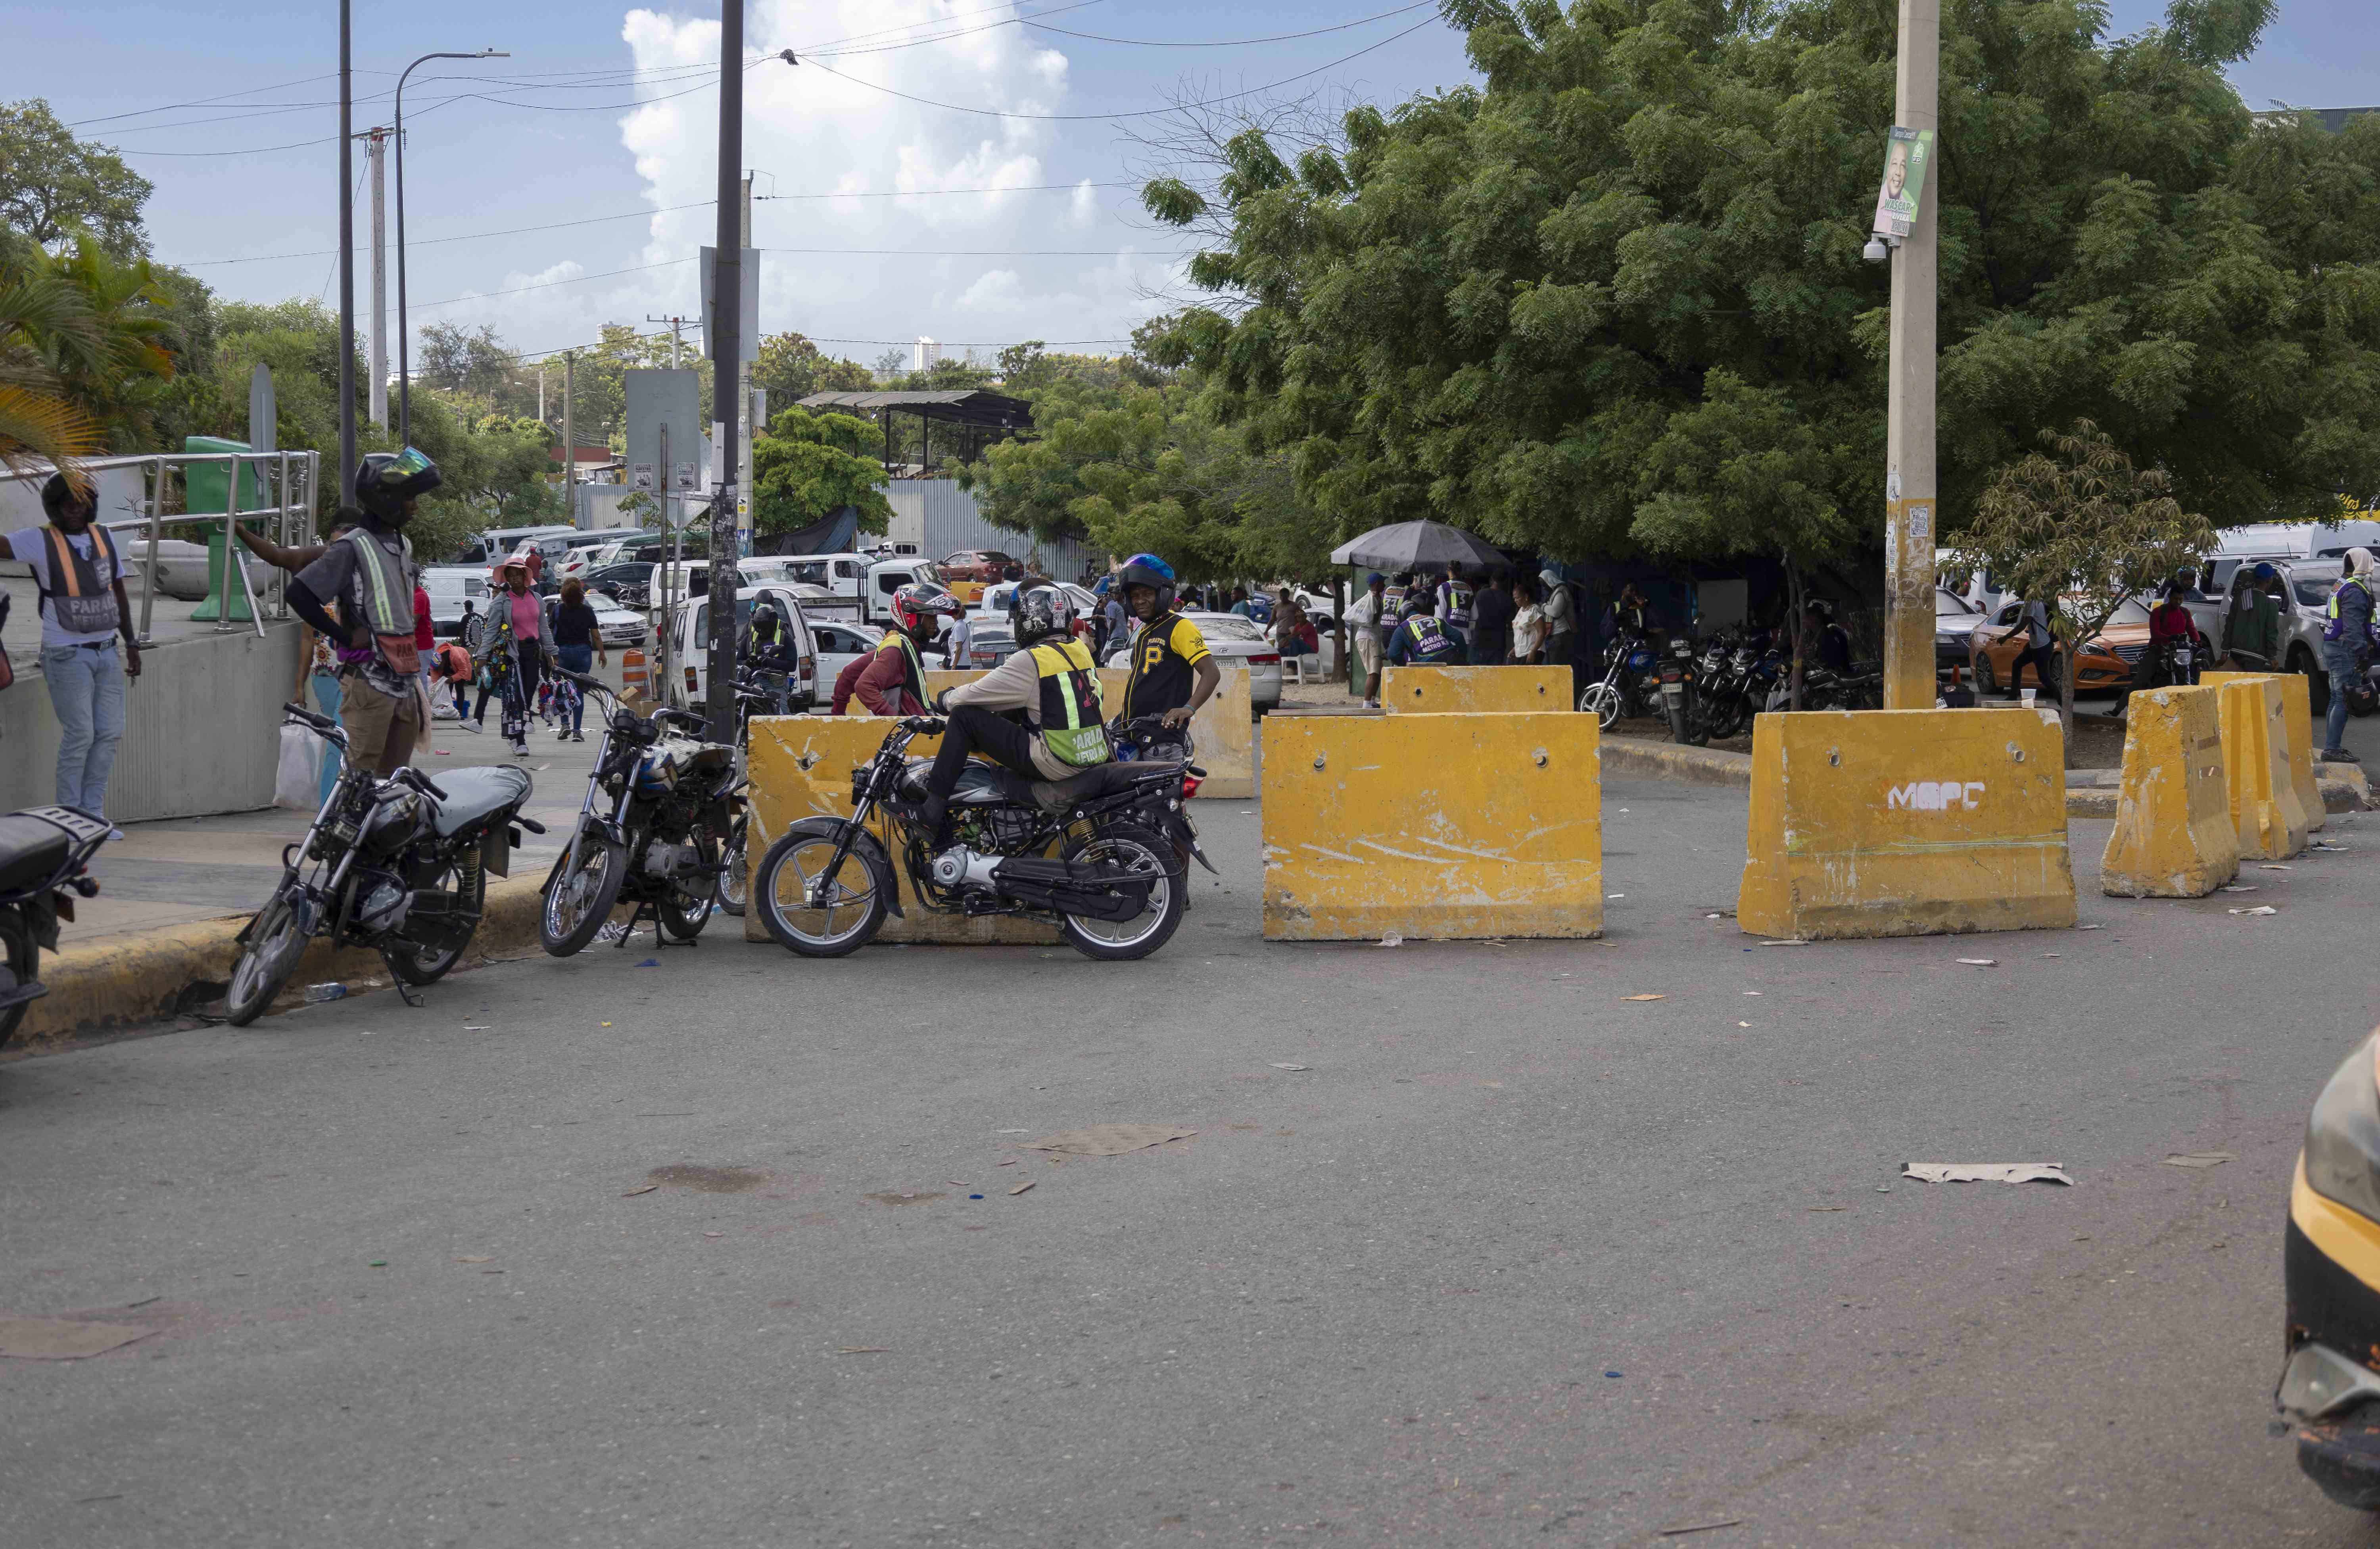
(517,605)
(1368,621)
(1561,631)
(1491,619)
(2038,649)
(88,651)
(424,638)
(578,643)
(2348,636)
(1528,622)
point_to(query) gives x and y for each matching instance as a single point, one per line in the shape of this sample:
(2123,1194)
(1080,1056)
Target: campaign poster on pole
(1906,156)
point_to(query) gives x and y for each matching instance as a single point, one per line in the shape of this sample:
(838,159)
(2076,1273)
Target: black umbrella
(1416,545)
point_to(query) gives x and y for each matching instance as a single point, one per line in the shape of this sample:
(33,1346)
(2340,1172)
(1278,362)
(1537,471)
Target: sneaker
(2338,755)
(562,735)
(474,727)
(577,736)
(520,750)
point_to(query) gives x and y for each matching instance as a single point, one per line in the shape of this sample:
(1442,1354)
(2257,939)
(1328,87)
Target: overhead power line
(1227,42)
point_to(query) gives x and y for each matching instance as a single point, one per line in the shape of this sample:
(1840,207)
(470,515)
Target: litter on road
(1644,997)
(1108,1139)
(1284,1065)
(2260,908)
(1022,1187)
(1393,939)
(1981,962)
(1986,1172)
(62,1338)
(1700,1526)
(2200,1159)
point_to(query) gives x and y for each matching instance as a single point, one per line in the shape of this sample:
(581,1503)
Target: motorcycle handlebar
(670,713)
(924,726)
(421,783)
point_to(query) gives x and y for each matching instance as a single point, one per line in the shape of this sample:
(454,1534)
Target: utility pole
(569,437)
(1910,509)
(675,323)
(540,392)
(346,258)
(728,345)
(745,427)
(379,394)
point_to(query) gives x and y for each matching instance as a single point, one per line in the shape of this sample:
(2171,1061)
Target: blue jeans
(326,699)
(86,691)
(2339,661)
(576,658)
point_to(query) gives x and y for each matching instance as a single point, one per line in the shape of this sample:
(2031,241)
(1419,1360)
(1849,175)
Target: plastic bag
(298,782)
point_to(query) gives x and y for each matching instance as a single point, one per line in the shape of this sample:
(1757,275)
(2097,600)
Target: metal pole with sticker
(1908,220)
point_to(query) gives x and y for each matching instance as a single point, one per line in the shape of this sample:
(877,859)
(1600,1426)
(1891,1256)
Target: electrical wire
(1229,42)
(1142,113)
(546,285)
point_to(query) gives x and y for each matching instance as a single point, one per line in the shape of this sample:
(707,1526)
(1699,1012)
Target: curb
(1668,760)
(123,981)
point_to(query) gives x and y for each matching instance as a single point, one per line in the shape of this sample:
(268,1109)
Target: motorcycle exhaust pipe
(1107,893)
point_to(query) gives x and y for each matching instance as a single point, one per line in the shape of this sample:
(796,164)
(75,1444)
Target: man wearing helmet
(1173,671)
(2348,633)
(368,571)
(1053,680)
(893,682)
(768,650)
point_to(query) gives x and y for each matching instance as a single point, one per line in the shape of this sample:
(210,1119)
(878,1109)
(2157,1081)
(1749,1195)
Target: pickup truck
(852,587)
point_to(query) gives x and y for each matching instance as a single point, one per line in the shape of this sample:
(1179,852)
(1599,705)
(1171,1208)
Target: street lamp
(404,335)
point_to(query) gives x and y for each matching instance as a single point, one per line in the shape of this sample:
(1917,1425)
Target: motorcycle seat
(32,850)
(472,794)
(1100,780)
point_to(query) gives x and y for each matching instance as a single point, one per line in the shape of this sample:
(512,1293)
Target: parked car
(1954,621)
(620,626)
(449,586)
(968,571)
(837,643)
(1234,641)
(486,548)
(626,583)
(2101,664)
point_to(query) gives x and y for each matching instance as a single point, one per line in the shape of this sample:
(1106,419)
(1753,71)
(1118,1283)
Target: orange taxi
(2104,660)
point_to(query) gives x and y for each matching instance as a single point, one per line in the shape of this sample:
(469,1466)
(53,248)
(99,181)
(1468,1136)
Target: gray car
(2307,585)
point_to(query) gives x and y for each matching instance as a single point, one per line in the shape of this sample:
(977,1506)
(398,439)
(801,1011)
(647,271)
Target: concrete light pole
(379,387)
(346,258)
(404,347)
(1911,511)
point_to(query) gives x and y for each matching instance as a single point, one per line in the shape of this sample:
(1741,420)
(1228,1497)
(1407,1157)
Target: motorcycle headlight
(2342,1143)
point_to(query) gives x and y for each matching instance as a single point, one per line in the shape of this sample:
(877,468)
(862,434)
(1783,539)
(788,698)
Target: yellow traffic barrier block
(1464,691)
(1447,826)
(2297,706)
(2174,838)
(1224,730)
(1900,822)
(2264,809)
(800,767)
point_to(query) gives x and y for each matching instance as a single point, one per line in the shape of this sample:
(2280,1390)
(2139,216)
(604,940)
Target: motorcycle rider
(1173,671)
(2348,634)
(369,570)
(1454,605)
(893,682)
(1424,640)
(768,649)
(1052,679)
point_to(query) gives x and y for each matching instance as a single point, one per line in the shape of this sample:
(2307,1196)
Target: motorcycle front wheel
(1137,850)
(735,882)
(1602,701)
(415,964)
(682,912)
(579,898)
(18,962)
(266,960)
(800,920)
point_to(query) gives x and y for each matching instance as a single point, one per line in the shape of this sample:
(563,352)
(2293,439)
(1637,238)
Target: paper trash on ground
(2200,1159)
(62,1338)
(1986,1172)
(1109,1140)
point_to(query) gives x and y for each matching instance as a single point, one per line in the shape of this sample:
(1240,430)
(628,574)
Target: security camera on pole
(1905,224)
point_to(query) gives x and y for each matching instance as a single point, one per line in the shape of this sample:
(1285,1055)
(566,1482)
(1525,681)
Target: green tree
(2081,530)
(53,185)
(1492,305)
(805,467)
(467,360)
(790,368)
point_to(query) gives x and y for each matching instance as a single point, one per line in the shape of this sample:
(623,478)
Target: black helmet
(60,493)
(1043,612)
(1147,570)
(386,481)
(766,618)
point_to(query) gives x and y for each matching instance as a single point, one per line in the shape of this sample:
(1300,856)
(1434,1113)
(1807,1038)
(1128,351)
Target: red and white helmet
(914,603)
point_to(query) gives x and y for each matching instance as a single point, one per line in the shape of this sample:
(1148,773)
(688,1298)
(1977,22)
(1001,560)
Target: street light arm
(404,328)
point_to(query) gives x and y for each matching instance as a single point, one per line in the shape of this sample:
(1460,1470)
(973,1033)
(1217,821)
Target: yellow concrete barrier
(2264,807)
(1464,691)
(2297,706)
(1224,730)
(1897,822)
(1447,826)
(2174,837)
(800,766)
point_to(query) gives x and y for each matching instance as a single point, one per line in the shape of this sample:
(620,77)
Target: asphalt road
(1514,1260)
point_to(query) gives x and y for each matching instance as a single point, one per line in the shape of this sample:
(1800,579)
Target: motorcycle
(658,837)
(1620,694)
(1679,672)
(45,858)
(399,866)
(1726,670)
(1115,887)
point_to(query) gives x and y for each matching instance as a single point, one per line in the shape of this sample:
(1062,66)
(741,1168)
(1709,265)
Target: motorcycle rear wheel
(1602,701)
(21,961)
(735,882)
(681,914)
(579,898)
(1137,850)
(266,960)
(847,921)
(418,964)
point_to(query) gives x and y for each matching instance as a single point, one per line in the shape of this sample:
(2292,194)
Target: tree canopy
(808,465)
(53,185)
(1613,299)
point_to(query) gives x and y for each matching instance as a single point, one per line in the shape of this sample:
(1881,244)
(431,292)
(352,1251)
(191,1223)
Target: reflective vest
(1458,603)
(913,667)
(1428,637)
(1073,721)
(78,600)
(388,599)
(1392,602)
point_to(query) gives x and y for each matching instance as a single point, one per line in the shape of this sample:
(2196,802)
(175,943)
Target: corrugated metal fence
(941,517)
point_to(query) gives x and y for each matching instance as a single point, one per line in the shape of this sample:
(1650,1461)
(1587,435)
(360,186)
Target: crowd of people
(1489,617)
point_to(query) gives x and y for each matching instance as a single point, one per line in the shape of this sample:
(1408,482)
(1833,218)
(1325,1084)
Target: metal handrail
(290,473)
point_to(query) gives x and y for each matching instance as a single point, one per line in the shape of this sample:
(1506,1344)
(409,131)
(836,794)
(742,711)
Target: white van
(687,682)
(486,548)
(2297,540)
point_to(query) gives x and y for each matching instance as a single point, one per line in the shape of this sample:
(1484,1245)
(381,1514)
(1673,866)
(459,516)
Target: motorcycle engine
(382,901)
(665,859)
(962,867)
(392,823)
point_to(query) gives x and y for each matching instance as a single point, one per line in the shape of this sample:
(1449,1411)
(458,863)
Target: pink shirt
(529,613)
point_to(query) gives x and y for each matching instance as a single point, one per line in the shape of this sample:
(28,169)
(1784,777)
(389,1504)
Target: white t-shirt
(32,545)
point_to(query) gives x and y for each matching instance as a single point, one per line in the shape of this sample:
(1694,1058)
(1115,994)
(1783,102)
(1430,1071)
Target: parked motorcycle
(1115,887)
(659,816)
(1679,674)
(44,856)
(1620,694)
(398,865)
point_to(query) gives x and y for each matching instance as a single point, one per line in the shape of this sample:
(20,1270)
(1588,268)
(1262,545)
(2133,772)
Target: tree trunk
(1793,601)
